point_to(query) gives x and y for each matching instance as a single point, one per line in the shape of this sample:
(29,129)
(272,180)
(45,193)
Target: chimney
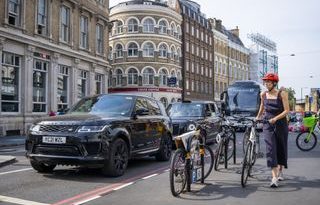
(218,24)
(235,31)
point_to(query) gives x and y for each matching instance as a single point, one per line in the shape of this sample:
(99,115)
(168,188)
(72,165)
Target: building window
(192,85)
(119,51)
(148,76)
(178,54)
(10,82)
(120,27)
(98,79)
(118,77)
(179,32)
(163,27)
(148,26)
(132,50)
(65,24)
(192,30)
(163,50)
(40,69)
(192,67)
(173,52)
(42,17)
(82,84)
(192,48)
(187,46)
(14,12)
(99,39)
(173,29)
(132,26)
(132,77)
(110,79)
(110,53)
(84,32)
(187,65)
(163,77)
(187,84)
(148,50)
(63,81)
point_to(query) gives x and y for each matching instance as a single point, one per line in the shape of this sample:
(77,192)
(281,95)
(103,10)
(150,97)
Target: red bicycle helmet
(271,76)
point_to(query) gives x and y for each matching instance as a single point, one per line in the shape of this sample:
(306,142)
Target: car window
(213,109)
(153,107)
(141,103)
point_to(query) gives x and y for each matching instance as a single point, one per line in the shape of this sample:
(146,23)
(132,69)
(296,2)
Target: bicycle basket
(309,121)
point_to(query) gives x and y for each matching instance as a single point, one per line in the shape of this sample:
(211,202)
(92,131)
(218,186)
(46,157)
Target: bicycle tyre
(303,136)
(217,156)
(246,165)
(179,153)
(208,150)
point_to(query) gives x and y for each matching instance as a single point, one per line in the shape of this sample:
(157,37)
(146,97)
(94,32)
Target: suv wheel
(41,167)
(118,160)
(164,153)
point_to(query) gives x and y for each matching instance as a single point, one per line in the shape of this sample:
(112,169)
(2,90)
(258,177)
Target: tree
(291,92)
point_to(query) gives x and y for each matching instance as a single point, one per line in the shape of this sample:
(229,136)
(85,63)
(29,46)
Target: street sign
(172,81)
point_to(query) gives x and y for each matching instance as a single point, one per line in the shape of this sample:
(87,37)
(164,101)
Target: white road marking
(87,200)
(15,171)
(147,177)
(19,201)
(166,170)
(122,186)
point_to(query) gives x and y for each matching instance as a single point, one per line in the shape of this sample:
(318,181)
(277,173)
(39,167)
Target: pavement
(6,142)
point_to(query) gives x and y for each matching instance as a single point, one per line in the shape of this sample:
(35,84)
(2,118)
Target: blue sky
(293,24)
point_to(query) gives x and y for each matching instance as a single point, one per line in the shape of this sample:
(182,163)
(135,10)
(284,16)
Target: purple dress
(276,135)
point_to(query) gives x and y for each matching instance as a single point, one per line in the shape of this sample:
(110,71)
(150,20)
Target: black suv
(187,115)
(103,131)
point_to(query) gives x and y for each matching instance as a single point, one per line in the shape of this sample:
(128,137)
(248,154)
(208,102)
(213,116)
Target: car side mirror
(142,112)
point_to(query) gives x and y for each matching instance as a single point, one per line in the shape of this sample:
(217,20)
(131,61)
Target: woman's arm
(261,109)
(285,102)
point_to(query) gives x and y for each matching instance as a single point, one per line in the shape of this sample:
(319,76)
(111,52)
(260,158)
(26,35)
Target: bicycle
(226,148)
(309,138)
(191,162)
(252,150)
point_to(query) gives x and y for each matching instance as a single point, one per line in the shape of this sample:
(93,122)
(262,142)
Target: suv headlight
(92,128)
(191,127)
(35,128)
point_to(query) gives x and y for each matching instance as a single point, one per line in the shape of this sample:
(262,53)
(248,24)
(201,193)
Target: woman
(274,107)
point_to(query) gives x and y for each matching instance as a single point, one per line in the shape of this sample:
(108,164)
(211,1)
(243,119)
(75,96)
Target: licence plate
(53,140)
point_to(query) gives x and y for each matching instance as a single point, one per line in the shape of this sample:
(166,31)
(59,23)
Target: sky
(293,24)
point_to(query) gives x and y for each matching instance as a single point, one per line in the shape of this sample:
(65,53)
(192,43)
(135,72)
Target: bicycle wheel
(225,154)
(218,156)
(305,144)
(246,165)
(208,161)
(245,140)
(178,172)
(231,145)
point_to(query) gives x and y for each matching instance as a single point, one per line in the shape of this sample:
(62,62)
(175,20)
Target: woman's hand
(272,121)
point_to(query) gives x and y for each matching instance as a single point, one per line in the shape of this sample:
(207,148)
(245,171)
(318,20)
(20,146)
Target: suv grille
(57,150)
(58,128)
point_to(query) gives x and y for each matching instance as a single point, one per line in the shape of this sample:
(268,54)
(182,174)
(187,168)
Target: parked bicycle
(252,150)
(226,141)
(306,141)
(191,162)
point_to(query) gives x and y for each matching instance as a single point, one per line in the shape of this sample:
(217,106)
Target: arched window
(148,50)
(178,55)
(119,27)
(119,77)
(132,77)
(132,26)
(173,52)
(132,49)
(110,53)
(163,77)
(163,27)
(164,101)
(173,29)
(119,51)
(179,31)
(163,50)
(148,76)
(110,79)
(148,25)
